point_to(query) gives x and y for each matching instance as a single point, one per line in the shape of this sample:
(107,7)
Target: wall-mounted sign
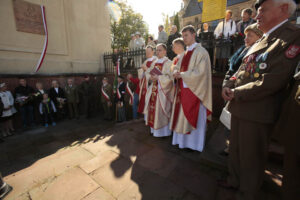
(28,17)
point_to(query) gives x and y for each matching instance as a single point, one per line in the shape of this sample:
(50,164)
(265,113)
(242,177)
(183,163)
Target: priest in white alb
(192,105)
(141,75)
(159,97)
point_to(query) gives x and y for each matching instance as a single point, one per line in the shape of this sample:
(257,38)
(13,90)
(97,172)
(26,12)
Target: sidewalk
(92,160)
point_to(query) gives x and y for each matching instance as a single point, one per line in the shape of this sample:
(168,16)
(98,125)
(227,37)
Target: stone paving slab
(99,194)
(98,161)
(72,185)
(115,176)
(44,169)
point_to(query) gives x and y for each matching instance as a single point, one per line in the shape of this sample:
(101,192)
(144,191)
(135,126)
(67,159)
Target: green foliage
(176,22)
(129,23)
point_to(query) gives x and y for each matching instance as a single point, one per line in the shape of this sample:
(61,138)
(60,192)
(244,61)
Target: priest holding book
(141,75)
(158,104)
(192,105)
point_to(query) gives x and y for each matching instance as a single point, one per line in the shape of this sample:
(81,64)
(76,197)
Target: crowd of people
(42,106)
(220,43)
(260,89)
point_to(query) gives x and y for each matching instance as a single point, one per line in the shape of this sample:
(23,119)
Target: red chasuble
(153,99)
(144,91)
(185,97)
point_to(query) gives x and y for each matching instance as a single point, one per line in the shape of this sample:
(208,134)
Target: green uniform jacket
(109,91)
(72,94)
(261,81)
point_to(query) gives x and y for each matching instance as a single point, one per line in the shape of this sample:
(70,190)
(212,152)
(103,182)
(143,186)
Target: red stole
(153,99)
(144,90)
(185,97)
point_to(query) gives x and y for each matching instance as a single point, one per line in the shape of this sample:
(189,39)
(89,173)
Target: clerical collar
(161,60)
(190,48)
(151,59)
(181,54)
(274,28)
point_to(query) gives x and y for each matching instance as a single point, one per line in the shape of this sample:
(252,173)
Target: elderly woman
(8,110)
(252,34)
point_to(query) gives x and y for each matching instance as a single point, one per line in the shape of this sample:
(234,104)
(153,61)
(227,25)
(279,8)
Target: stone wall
(79,34)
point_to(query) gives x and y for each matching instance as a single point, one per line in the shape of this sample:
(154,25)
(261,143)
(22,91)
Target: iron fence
(130,60)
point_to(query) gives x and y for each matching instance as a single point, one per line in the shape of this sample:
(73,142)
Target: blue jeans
(27,115)
(135,105)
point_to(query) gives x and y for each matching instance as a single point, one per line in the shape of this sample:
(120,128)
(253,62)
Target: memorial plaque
(28,17)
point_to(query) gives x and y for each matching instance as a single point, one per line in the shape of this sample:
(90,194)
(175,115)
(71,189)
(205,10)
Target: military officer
(129,97)
(86,90)
(255,92)
(106,98)
(72,97)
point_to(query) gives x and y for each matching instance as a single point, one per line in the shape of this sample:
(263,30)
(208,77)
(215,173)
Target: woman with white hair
(8,110)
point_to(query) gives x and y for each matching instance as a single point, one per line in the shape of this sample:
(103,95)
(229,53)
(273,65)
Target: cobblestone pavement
(97,160)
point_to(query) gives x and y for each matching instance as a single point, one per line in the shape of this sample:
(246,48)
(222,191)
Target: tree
(129,23)
(176,21)
(166,23)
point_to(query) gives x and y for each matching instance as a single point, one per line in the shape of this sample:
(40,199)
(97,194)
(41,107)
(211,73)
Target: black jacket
(53,94)
(171,38)
(25,91)
(122,90)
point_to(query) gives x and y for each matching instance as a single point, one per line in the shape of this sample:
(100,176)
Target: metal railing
(130,60)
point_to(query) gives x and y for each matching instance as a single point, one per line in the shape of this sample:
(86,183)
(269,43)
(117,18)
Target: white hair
(291,3)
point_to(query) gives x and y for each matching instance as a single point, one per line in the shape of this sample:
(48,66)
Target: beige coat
(198,80)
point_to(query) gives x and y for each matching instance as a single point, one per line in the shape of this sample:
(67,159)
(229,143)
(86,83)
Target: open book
(155,71)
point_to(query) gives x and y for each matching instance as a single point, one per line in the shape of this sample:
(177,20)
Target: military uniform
(72,100)
(129,99)
(288,129)
(259,85)
(86,89)
(106,100)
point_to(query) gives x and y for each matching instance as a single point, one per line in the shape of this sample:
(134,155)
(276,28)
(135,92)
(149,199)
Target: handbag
(225,117)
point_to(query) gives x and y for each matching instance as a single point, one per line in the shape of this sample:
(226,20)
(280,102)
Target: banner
(40,62)
(213,10)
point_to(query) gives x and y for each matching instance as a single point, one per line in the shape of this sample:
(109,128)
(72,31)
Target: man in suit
(57,95)
(174,35)
(72,98)
(255,93)
(106,98)
(119,99)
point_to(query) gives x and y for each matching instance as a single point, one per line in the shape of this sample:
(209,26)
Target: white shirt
(56,89)
(161,60)
(151,59)
(228,30)
(274,28)
(191,47)
(42,91)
